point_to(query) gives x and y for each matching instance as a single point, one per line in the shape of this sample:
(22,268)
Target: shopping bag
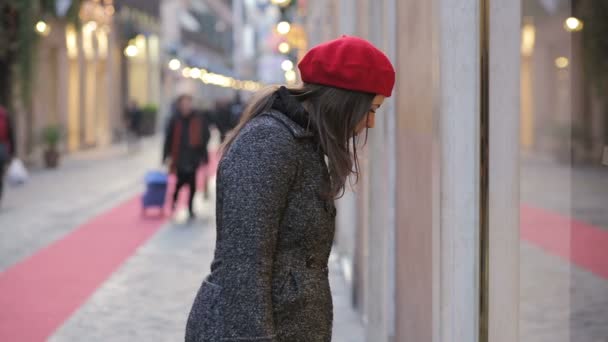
(16,173)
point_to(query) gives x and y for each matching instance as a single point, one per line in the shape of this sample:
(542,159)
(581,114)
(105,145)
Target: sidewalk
(148,297)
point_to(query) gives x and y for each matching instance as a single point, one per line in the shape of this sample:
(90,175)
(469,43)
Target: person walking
(186,140)
(133,117)
(275,199)
(236,110)
(7,145)
(222,118)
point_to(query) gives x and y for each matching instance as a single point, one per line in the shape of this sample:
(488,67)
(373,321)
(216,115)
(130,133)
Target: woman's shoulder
(263,141)
(265,130)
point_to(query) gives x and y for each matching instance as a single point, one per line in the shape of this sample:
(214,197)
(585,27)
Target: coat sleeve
(255,177)
(168,139)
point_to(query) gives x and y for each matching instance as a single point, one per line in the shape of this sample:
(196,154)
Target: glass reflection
(564,182)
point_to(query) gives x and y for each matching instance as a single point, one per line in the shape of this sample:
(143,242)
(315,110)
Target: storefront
(76,82)
(481,213)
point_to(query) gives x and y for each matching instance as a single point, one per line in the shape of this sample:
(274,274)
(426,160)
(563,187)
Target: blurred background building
(71,67)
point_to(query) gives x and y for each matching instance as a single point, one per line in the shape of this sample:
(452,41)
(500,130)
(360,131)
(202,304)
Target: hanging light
(528,38)
(562,62)
(43,28)
(283,27)
(573,24)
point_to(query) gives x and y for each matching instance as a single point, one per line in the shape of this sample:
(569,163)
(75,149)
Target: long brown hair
(334,114)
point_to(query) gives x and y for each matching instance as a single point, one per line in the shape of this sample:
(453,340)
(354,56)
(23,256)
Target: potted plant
(148,122)
(51,135)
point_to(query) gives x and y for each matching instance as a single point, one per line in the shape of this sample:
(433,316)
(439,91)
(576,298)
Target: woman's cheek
(371,120)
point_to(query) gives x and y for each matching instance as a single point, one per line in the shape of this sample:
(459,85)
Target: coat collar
(297,130)
(291,113)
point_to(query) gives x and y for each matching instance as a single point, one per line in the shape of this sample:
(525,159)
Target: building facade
(76,81)
(409,238)
(83,76)
(198,34)
(477,214)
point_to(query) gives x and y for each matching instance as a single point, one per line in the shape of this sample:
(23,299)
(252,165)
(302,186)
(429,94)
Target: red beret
(349,63)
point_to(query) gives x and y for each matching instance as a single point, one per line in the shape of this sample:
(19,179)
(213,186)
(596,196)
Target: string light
(287,65)
(214,79)
(175,64)
(290,76)
(283,27)
(284,48)
(195,73)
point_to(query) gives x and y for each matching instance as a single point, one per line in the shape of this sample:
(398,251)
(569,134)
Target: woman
(275,192)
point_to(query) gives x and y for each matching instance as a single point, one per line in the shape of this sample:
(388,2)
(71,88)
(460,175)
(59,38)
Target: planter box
(148,123)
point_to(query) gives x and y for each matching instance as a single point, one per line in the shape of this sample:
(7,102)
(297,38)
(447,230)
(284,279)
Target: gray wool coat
(269,280)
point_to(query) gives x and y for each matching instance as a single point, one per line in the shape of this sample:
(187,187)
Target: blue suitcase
(156,190)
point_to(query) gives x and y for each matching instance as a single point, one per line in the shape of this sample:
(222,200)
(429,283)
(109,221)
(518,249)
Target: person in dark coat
(8,146)
(133,118)
(222,118)
(186,139)
(236,110)
(275,199)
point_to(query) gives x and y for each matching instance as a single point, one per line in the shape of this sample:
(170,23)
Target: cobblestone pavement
(559,300)
(54,202)
(149,296)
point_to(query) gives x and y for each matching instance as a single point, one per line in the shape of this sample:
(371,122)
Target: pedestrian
(185,146)
(236,110)
(275,199)
(222,117)
(133,117)
(7,145)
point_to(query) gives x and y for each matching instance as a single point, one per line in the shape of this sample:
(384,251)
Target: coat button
(310,262)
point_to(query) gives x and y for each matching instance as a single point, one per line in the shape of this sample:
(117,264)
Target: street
(78,260)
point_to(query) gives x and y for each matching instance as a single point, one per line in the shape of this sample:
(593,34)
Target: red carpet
(580,243)
(40,293)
